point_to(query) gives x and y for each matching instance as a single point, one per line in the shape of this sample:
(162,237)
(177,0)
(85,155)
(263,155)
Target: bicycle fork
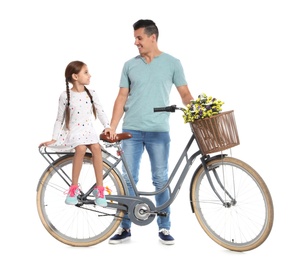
(226,204)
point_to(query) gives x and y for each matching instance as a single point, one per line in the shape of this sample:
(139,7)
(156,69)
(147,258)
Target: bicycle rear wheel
(80,225)
(241,222)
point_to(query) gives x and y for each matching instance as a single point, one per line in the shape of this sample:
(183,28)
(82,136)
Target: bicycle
(229,198)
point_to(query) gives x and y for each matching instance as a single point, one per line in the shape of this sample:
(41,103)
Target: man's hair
(149,27)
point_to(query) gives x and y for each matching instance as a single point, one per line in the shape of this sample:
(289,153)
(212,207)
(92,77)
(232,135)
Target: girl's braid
(91,100)
(67,111)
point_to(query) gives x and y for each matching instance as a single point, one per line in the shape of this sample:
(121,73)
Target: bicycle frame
(149,206)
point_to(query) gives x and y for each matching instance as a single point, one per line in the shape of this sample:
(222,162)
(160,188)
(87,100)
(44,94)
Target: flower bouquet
(214,130)
(204,106)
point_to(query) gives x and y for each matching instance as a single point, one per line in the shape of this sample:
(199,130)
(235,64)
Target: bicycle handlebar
(171,108)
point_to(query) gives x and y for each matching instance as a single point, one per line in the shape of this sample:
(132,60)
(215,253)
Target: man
(146,82)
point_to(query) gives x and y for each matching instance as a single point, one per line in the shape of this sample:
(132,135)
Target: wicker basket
(216,133)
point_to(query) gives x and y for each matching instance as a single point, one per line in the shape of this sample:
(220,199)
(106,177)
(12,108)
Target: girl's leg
(77,163)
(71,198)
(97,163)
(98,191)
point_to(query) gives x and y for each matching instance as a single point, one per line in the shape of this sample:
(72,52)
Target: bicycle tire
(78,226)
(240,227)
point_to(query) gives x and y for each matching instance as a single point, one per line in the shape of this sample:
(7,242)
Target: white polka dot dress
(81,127)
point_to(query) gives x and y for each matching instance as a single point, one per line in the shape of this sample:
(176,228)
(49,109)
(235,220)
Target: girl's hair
(74,67)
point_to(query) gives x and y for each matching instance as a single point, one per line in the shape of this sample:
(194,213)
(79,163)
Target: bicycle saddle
(118,138)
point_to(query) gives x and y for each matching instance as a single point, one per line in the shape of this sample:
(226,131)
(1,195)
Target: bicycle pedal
(162,214)
(109,191)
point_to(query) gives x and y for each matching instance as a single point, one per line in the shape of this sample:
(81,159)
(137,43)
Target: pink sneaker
(71,198)
(100,200)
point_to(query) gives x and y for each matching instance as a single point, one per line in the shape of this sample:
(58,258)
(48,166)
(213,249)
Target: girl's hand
(47,143)
(112,133)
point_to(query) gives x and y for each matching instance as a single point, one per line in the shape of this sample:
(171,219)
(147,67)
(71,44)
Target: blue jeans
(157,145)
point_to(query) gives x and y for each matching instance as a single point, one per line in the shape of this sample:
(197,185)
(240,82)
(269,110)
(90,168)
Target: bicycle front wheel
(242,219)
(79,225)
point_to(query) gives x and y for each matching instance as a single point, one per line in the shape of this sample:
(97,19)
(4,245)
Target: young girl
(76,106)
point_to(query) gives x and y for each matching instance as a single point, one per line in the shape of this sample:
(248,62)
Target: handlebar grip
(165,109)
(159,109)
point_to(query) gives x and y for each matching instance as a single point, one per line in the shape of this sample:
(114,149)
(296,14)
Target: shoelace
(100,192)
(120,231)
(164,231)
(72,191)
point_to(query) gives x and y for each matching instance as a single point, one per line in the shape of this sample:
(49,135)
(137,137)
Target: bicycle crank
(142,213)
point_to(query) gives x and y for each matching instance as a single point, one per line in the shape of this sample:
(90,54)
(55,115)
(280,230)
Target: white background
(246,53)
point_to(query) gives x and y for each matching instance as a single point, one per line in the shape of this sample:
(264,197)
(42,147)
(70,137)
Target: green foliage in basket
(204,106)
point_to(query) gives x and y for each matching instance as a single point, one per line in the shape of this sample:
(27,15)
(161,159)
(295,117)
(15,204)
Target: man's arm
(185,94)
(118,109)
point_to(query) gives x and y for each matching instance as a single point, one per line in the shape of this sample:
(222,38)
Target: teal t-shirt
(150,86)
